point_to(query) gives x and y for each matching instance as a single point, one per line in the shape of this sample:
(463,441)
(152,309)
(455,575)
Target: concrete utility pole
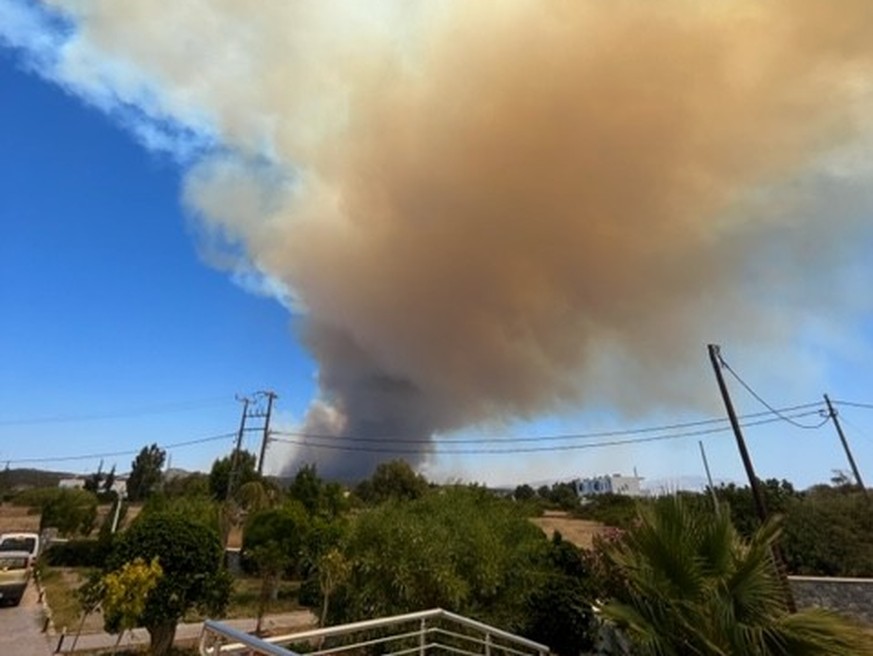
(715,359)
(708,477)
(832,413)
(265,438)
(234,460)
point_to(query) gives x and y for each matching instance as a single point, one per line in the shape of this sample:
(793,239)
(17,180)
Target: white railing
(425,633)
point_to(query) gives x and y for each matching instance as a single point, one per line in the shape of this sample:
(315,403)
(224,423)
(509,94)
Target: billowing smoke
(495,210)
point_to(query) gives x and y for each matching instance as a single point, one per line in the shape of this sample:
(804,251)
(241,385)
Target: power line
(399,439)
(853,404)
(117,454)
(435,446)
(164,408)
(761,400)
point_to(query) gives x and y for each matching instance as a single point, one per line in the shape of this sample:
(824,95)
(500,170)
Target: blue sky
(108,308)
(117,330)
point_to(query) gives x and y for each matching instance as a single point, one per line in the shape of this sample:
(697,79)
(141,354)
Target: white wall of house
(614,484)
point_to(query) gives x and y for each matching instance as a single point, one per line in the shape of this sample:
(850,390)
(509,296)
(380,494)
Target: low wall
(852,597)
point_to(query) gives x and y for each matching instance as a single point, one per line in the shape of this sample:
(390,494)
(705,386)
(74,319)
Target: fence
(425,633)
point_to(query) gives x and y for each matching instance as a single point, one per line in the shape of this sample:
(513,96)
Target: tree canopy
(461,549)
(392,480)
(190,557)
(145,473)
(222,475)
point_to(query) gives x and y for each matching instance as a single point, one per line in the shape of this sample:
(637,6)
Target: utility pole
(709,477)
(234,461)
(715,359)
(265,438)
(832,413)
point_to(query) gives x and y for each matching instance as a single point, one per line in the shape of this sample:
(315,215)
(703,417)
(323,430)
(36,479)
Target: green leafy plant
(694,586)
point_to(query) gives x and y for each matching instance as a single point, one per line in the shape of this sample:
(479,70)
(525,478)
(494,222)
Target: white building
(119,485)
(615,484)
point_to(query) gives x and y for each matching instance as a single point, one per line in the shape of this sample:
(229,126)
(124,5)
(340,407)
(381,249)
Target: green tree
(125,592)
(222,475)
(70,511)
(777,495)
(270,561)
(829,532)
(461,549)
(695,586)
(320,499)
(195,484)
(392,480)
(109,481)
(559,609)
(333,570)
(195,508)
(194,578)
(286,526)
(524,493)
(145,473)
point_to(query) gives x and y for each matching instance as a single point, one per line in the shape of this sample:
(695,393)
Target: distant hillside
(12,479)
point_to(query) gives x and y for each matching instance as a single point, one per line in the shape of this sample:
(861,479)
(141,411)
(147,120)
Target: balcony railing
(426,633)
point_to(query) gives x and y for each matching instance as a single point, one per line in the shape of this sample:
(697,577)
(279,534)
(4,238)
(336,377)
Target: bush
(77,553)
(610,509)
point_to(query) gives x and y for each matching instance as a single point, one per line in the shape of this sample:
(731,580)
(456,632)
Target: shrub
(77,553)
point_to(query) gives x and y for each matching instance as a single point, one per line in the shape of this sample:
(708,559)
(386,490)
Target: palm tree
(695,587)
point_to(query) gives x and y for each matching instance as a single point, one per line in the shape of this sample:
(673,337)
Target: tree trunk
(162,637)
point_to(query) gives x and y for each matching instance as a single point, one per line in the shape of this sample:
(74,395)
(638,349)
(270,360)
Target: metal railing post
(488,644)
(422,637)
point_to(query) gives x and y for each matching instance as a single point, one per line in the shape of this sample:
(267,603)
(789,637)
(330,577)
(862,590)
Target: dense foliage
(70,511)
(77,553)
(695,586)
(230,473)
(394,480)
(145,473)
(829,532)
(190,556)
(459,548)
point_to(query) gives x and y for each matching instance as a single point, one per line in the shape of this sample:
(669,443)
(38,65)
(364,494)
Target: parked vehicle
(14,575)
(28,542)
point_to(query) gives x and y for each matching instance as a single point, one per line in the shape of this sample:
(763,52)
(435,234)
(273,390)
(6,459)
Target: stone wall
(852,597)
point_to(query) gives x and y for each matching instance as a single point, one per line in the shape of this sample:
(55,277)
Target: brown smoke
(503,209)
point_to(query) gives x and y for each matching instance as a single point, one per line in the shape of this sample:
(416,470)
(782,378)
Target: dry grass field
(14,519)
(580,532)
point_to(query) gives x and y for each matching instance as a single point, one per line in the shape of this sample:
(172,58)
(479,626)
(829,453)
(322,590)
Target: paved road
(21,627)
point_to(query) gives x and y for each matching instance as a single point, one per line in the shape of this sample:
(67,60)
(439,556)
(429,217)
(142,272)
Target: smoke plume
(494,210)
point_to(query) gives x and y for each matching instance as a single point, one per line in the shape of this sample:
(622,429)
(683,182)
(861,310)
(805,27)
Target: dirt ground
(580,532)
(15,519)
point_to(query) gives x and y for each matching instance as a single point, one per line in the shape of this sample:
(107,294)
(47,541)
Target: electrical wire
(116,454)
(436,447)
(854,404)
(761,400)
(164,408)
(399,439)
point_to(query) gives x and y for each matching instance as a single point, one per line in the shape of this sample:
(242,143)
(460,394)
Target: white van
(28,542)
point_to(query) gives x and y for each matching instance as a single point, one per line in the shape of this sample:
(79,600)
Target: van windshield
(18,544)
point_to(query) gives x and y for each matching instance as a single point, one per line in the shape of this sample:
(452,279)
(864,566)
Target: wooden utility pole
(832,413)
(760,506)
(265,438)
